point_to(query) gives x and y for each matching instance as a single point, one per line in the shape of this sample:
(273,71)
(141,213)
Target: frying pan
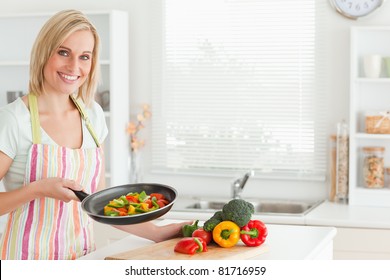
(93,204)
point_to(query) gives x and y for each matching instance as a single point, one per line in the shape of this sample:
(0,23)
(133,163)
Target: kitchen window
(239,85)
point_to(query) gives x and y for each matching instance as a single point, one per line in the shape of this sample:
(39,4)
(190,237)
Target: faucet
(238,184)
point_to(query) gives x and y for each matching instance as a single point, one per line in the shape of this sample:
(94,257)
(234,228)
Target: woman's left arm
(154,232)
(146,230)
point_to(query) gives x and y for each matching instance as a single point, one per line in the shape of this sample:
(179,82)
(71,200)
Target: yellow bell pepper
(226,234)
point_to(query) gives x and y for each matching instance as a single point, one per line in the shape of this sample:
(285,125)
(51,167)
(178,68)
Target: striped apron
(48,228)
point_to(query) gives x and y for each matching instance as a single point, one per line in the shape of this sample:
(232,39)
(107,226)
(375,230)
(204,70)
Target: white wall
(338,62)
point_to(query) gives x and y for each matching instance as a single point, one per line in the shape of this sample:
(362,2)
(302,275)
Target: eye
(63,52)
(84,57)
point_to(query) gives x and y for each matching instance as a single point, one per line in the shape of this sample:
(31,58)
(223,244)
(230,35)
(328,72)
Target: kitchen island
(284,242)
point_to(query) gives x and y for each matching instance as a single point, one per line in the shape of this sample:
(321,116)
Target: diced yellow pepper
(131,210)
(144,206)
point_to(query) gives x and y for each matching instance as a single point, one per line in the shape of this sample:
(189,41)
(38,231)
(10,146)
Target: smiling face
(68,68)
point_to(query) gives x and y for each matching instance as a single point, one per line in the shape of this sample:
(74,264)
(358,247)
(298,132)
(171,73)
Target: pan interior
(95,203)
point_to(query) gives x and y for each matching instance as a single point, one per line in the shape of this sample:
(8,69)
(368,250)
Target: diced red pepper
(191,245)
(131,198)
(149,202)
(254,233)
(122,211)
(161,203)
(157,195)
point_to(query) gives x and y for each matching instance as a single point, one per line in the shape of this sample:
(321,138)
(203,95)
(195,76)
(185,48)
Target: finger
(71,184)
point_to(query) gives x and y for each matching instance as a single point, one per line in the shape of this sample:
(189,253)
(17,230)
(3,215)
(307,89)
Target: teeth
(70,78)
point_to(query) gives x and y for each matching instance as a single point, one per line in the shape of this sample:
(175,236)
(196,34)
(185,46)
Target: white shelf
(360,135)
(368,80)
(367,95)
(15,63)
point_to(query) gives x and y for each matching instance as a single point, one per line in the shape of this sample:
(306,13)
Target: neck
(55,104)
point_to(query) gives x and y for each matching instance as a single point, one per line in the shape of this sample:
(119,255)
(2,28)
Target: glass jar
(342,163)
(332,167)
(387,177)
(373,167)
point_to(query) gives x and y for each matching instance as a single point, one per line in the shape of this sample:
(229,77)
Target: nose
(73,64)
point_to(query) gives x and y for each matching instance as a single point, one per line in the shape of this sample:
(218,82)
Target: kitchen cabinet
(18,32)
(367,96)
(361,243)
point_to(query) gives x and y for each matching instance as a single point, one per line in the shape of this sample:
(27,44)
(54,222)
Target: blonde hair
(52,35)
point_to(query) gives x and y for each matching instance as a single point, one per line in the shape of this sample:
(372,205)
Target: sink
(207,205)
(285,207)
(270,207)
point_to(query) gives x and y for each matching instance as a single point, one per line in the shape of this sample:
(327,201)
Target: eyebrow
(62,47)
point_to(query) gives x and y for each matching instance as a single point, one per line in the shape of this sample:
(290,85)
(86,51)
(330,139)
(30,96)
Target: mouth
(68,78)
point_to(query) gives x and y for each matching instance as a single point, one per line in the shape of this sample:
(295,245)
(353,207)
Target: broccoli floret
(210,224)
(238,211)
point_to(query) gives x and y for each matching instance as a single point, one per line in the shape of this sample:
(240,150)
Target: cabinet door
(355,243)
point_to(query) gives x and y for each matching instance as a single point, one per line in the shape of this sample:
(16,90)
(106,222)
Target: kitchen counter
(341,215)
(284,242)
(326,214)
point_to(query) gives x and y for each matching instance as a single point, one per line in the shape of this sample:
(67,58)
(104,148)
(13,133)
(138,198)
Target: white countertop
(284,242)
(326,214)
(340,215)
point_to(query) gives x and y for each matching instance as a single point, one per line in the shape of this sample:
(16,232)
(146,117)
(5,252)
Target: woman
(51,143)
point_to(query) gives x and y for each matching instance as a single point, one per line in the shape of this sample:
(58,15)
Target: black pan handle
(80,194)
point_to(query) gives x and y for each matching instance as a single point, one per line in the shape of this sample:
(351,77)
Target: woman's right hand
(56,188)
(51,187)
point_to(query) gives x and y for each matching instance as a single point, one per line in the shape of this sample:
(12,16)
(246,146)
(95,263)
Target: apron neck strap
(36,132)
(35,125)
(84,115)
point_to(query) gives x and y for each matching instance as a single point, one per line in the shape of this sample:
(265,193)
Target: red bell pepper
(207,236)
(254,233)
(191,245)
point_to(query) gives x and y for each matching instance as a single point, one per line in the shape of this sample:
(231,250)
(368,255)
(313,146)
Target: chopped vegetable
(254,233)
(226,234)
(135,203)
(191,245)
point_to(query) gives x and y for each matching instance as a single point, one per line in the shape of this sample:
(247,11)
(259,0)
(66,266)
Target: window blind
(237,86)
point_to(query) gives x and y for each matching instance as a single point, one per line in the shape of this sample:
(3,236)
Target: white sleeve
(9,133)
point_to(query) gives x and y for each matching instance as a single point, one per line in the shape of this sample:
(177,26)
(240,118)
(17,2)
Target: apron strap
(36,131)
(85,118)
(35,124)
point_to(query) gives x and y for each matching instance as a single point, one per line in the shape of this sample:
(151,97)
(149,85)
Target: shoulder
(11,113)
(96,115)
(14,126)
(97,118)
(95,111)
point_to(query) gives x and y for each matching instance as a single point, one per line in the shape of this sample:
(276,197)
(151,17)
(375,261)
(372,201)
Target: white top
(16,137)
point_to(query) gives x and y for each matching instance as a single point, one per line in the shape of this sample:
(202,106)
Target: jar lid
(373,149)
